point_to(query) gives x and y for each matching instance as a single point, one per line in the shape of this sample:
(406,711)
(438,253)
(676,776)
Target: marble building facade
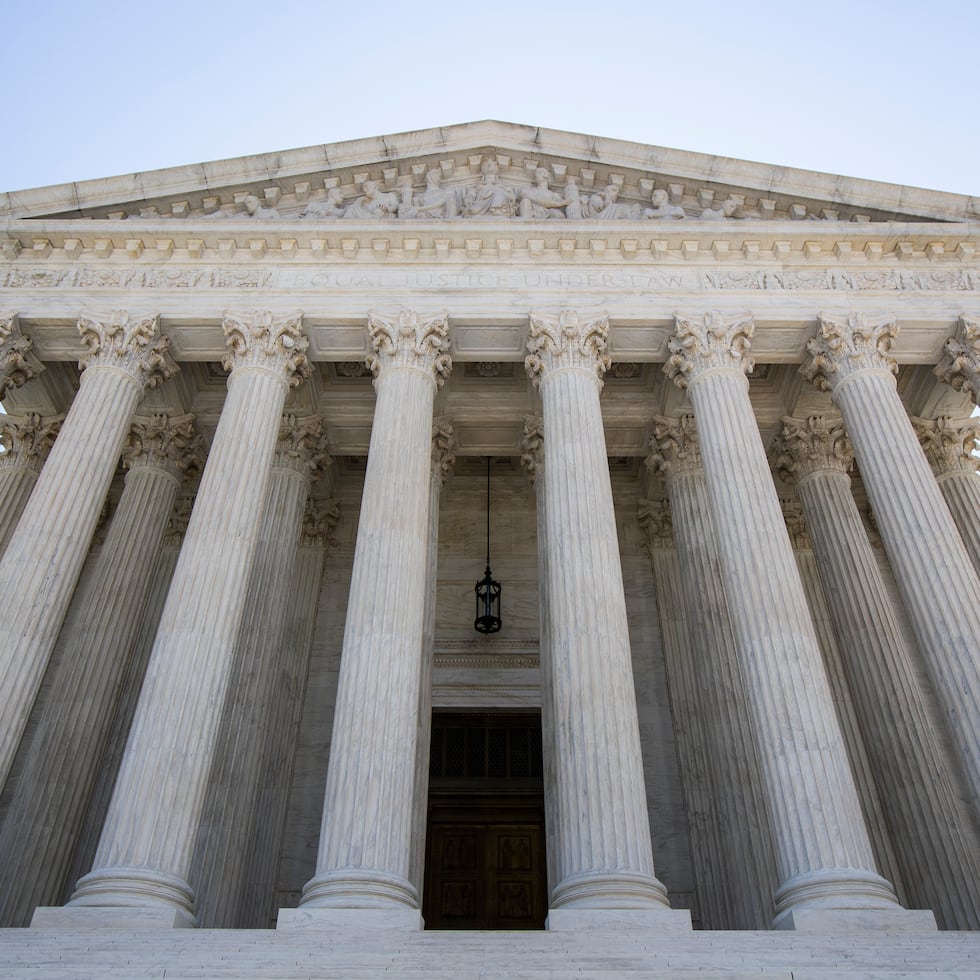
(735,510)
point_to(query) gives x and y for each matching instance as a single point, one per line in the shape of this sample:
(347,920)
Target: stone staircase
(360,954)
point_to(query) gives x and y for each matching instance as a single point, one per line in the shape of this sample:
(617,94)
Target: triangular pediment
(388,178)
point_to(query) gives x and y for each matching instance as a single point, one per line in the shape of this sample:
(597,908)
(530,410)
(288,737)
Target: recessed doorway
(485,850)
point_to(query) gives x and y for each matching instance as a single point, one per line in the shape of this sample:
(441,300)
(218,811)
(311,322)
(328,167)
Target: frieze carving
(960,364)
(566,340)
(319,520)
(302,446)
(949,445)
(443,449)
(166,443)
(408,340)
(18,363)
(532,447)
(656,520)
(128,343)
(26,440)
(675,448)
(811,445)
(842,348)
(260,340)
(715,342)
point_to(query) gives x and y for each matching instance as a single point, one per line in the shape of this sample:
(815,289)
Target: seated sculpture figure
(662,208)
(490,197)
(540,201)
(373,204)
(435,201)
(607,206)
(727,210)
(332,206)
(253,209)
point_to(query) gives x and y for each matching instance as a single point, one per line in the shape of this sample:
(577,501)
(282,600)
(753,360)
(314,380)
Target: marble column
(18,362)
(960,363)
(939,585)
(746,839)
(251,707)
(443,458)
(44,820)
(931,834)
(145,852)
(823,855)
(45,554)
(366,833)
(26,442)
(605,859)
(951,447)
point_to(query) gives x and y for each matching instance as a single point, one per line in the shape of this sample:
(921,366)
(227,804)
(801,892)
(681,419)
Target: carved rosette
(166,443)
(260,341)
(795,523)
(129,344)
(532,447)
(319,520)
(960,364)
(27,439)
(656,520)
(842,348)
(18,363)
(949,445)
(410,341)
(566,340)
(443,449)
(715,343)
(811,445)
(302,446)
(675,448)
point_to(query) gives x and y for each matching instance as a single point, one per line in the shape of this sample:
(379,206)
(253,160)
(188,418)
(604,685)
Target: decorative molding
(949,445)
(166,443)
(812,445)
(675,447)
(960,364)
(260,340)
(18,363)
(565,340)
(407,340)
(26,440)
(714,343)
(842,348)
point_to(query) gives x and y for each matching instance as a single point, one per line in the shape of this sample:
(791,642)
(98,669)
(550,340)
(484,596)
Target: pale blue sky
(876,90)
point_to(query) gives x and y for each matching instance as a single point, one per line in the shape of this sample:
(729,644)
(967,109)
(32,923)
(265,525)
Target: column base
(339,920)
(836,889)
(856,920)
(610,890)
(356,888)
(79,918)
(135,890)
(659,920)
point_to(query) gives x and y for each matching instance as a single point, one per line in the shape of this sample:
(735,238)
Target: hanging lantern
(487,589)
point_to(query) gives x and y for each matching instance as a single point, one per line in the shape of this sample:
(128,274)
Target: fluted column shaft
(940,587)
(26,443)
(45,816)
(218,867)
(823,854)
(147,843)
(605,858)
(936,847)
(47,550)
(366,833)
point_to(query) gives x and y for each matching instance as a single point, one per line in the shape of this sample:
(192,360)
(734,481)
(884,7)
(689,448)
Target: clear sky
(104,87)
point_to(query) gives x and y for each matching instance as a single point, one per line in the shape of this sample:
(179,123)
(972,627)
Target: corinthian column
(144,855)
(743,825)
(950,447)
(26,442)
(960,363)
(366,834)
(604,858)
(936,848)
(45,554)
(939,585)
(823,856)
(45,815)
(18,362)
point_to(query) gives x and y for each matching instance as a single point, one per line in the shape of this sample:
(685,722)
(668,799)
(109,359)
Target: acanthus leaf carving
(260,340)
(18,363)
(532,447)
(167,443)
(128,343)
(716,342)
(319,519)
(566,340)
(675,447)
(795,520)
(26,440)
(443,449)
(302,446)
(960,363)
(949,445)
(842,348)
(811,445)
(408,340)
(656,519)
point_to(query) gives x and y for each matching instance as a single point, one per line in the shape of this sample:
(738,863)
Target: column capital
(302,446)
(179,519)
(130,344)
(714,343)
(843,348)
(566,340)
(811,445)
(960,363)
(27,439)
(443,448)
(949,444)
(258,340)
(165,443)
(675,447)
(532,447)
(656,519)
(795,520)
(319,520)
(18,362)
(408,340)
